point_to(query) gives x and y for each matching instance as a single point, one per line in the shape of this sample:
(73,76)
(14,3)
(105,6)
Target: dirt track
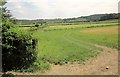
(106,63)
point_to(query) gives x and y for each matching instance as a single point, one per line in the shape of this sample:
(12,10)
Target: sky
(50,9)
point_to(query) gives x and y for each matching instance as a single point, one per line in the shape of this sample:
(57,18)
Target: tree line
(91,18)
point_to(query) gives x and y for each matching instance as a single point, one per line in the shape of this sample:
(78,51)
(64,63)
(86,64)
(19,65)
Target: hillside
(91,18)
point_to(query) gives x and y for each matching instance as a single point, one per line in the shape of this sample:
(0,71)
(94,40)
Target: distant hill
(102,17)
(91,18)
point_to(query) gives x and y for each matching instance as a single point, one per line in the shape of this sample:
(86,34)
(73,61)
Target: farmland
(63,44)
(57,41)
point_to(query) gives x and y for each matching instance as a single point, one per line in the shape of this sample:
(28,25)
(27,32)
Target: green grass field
(74,43)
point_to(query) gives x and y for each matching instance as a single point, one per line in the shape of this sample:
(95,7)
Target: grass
(107,36)
(81,25)
(73,43)
(59,46)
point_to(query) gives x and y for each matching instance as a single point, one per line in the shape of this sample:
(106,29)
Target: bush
(18,48)
(36,25)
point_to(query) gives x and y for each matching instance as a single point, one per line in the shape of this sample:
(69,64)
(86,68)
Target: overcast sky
(38,9)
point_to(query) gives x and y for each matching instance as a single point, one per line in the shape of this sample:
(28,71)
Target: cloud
(33,9)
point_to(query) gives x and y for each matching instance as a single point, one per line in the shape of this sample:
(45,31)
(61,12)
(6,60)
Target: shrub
(36,25)
(18,48)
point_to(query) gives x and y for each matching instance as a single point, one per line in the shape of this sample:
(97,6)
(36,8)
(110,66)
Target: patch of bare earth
(105,63)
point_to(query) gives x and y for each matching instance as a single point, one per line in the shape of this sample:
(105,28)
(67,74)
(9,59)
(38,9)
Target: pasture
(62,44)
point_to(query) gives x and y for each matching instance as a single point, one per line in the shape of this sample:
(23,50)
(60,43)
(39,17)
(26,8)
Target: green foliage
(109,16)
(2,2)
(36,25)
(18,46)
(71,21)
